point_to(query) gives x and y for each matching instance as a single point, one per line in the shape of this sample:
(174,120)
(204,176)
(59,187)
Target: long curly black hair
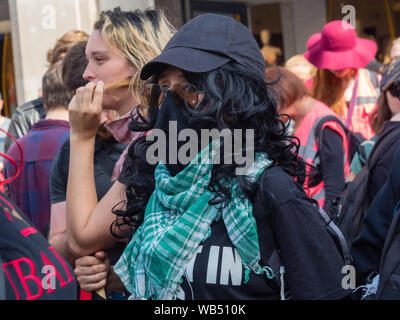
(234,98)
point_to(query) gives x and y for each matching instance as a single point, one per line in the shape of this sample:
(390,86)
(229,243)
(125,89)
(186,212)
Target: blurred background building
(29,28)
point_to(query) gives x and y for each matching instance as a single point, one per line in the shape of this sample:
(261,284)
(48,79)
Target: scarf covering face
(119,129)
(170,112)
(178,219)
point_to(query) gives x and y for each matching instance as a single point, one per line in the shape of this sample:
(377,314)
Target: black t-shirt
(216,273)
(313,265)
(106,154)
(30,268)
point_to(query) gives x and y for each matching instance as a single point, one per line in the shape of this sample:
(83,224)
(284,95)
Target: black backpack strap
(318,138)
(320,124)
(338,236)
(324,119)
(350,135)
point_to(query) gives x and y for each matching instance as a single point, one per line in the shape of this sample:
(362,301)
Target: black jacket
(367,248)
(23,119)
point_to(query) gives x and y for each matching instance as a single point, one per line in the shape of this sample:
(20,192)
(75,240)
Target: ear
(131,69)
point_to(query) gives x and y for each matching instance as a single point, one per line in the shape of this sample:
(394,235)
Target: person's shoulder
(390,128)
(277,186)
(34,104)
(14,147)
(390,125)
(273,174)
(27,114)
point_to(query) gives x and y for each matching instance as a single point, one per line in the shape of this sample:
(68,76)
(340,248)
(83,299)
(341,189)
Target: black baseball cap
(207,42)
(390,74)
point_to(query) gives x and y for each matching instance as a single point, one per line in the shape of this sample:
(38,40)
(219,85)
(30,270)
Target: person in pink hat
(341,81)
(312,40)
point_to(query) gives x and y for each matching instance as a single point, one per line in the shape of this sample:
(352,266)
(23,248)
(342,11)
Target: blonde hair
(300,61)
(138,35)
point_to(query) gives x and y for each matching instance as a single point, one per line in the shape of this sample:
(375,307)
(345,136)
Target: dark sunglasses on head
(153,94)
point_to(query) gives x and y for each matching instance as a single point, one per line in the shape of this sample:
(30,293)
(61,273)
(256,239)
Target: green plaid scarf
(177,220)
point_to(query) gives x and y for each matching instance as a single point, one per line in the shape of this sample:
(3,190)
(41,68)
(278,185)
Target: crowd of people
(83,199)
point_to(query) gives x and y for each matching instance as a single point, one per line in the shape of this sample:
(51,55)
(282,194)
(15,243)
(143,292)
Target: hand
(85,110)
(92,271)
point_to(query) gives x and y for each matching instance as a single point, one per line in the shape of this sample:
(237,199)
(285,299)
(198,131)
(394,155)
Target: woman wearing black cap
(208,230)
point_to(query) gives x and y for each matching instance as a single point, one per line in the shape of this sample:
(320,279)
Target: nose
(107,116)
(103,118)
(88,74)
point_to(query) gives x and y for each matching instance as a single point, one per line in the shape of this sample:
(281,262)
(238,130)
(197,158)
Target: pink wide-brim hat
(313,40)
(338,48)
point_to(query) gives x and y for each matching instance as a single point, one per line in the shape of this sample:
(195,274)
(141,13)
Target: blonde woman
(120,45)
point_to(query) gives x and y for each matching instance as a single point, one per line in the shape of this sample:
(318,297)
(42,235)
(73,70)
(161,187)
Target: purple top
(30,191)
